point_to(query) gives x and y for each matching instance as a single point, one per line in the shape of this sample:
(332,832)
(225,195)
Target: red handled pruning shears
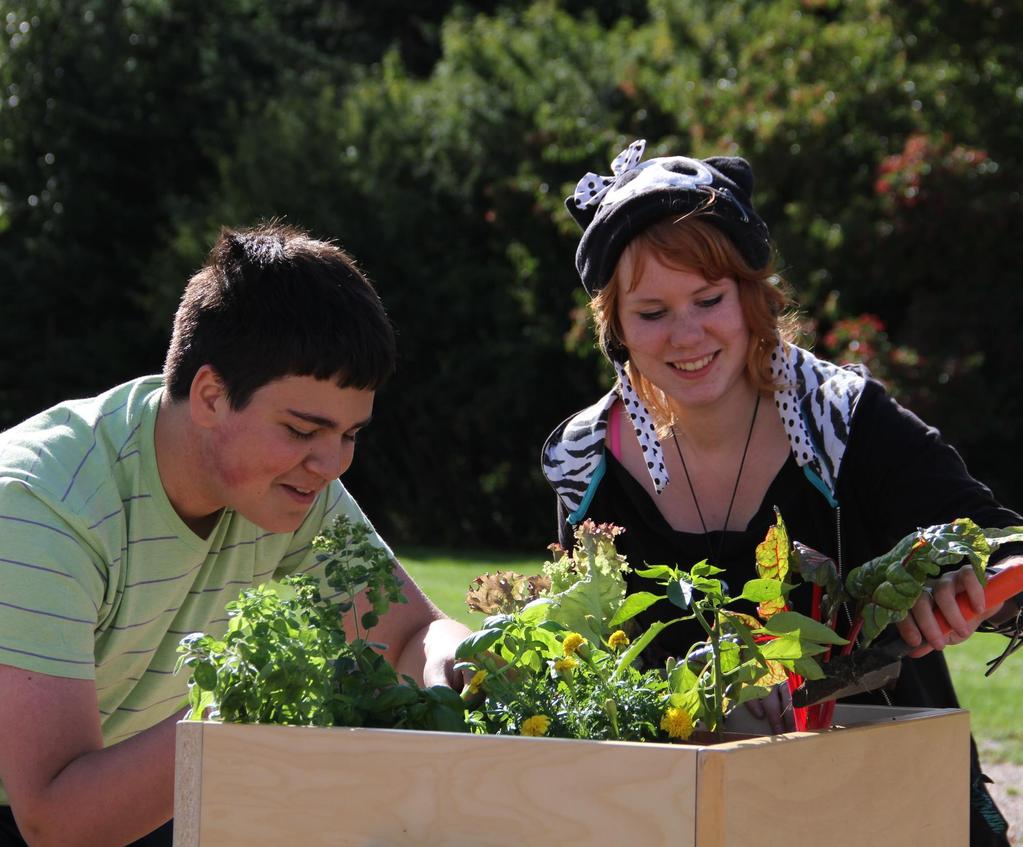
(874,667)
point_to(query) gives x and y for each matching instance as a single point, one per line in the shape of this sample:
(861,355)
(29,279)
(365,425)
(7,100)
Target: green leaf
(634,604)
(816,568)
(658,572)
(682,678)
(792,622)
(712,588)
(204,674)
(536,610)
(736,622)
(789,646)
(477,642)
(761,590)
(444,696)
(199,702)
(808,668)
(638,646)
(498,621)
(875,620)
(588,588)
(705,569)
(680,593)
(730,655)
(395,697)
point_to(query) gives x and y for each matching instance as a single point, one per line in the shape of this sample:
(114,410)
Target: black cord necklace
(716,560)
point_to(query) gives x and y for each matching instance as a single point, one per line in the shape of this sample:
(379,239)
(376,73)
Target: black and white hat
(612,210)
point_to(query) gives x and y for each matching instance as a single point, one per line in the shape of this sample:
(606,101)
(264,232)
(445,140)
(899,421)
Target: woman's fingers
(920,628)
(775,709)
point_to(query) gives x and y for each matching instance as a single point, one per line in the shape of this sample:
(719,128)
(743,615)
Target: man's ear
(207,398)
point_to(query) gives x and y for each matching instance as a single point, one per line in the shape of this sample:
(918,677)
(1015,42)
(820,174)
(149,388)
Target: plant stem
(713,633)
(719,686)
(827,712)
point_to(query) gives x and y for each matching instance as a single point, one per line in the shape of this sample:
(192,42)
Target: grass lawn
(992,701)
(445,576)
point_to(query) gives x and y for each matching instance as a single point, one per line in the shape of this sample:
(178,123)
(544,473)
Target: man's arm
(63,786)
(420,638)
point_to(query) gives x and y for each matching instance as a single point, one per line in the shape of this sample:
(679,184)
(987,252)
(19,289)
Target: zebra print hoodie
(816,405)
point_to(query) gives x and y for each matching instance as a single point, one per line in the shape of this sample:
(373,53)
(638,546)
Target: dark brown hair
(272,302)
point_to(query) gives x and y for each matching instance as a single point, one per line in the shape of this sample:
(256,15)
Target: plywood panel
(884,783)
(304,786)
(892,776)
(187,783)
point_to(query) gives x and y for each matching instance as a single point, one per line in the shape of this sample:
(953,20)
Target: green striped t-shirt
(99,576)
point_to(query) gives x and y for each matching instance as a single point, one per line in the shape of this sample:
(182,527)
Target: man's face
(269,460)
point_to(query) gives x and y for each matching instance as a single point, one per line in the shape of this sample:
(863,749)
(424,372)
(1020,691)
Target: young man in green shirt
(130,519)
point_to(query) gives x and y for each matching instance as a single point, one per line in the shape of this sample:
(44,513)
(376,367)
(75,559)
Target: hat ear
(582,216)
(738,170)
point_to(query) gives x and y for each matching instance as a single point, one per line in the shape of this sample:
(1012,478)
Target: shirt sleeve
(51,586)
(301,556)
(907,476)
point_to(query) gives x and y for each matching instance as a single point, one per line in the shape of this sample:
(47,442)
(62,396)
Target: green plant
(561,657)
(565,661)
(287,659)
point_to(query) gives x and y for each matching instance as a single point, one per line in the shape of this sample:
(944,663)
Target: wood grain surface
(890,777)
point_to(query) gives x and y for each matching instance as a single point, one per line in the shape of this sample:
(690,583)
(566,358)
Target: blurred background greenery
(436,140)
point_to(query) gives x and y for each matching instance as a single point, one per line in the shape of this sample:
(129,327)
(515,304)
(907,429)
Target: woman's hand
(775,709)
(920,630)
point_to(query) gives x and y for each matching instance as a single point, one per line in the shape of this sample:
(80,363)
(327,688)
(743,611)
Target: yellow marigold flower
(618,640)
(569,663)
(573,641)
(477,681)
(536,725)
(677,723)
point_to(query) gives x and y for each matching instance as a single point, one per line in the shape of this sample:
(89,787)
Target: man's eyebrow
(318,420)
(326,423)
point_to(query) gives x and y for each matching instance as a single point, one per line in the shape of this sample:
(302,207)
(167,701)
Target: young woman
(717,419)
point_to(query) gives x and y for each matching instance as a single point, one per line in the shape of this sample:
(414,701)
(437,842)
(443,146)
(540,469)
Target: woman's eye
(710,302)
(651,316)
(300,434)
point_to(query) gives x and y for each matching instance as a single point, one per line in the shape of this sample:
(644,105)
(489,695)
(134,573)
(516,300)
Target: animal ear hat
(612,210)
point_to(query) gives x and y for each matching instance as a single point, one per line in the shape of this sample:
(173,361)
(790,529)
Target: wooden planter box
(884,777)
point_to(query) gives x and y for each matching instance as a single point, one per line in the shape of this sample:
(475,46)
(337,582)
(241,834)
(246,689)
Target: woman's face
(686,334)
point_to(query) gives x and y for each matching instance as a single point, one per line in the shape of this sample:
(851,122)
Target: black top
(897,475)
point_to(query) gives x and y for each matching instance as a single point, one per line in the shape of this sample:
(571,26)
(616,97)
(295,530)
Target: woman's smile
(693,367)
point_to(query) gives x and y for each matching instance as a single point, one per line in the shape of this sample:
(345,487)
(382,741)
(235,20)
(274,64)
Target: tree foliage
(437,142)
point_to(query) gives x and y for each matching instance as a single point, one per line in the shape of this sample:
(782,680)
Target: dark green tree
(438,144)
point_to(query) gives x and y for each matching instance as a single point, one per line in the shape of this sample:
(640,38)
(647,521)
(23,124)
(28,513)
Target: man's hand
(420,639)
(440,639)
